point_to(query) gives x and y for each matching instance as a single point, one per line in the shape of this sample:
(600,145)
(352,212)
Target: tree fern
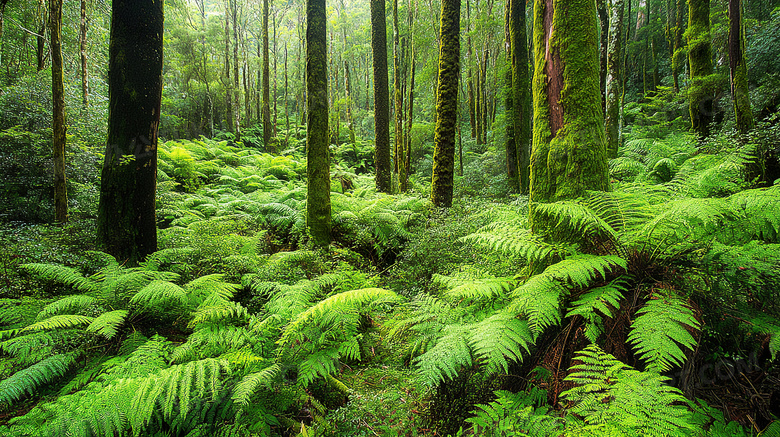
(608,392)
(445,360)
(250,383)
(514,240)
(603,299)
(513,414)
(159,295)
(475,289)
(64,321)
(661,329)
(27,381)
(577,219)
(539,300)
(62,275)
(67,305)
(108,324)
(499,340)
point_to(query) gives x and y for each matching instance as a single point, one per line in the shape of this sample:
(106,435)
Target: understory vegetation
(647,310)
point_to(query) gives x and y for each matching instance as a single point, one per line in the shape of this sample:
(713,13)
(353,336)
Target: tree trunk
(521,95)
(738,69)
(677,55)
(348,88)
(227,83)
(700,60)
(446,104)
(381,97)
(318,211)
(83,54)
(569,152)
(58,110)
(398,97)
(126,213)
(614,77)
(266,83)
(286,110)
(236,89)
(603,8)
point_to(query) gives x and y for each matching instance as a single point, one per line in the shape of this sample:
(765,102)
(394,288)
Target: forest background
(646,309)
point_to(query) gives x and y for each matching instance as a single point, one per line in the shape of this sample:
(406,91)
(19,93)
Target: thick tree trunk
(318,210)
(126,214)
(569,153)
(446,104)
(381,97)
(398,97)
(700,98)
(614,77)
(738,69)
(267,131)
(521,94)
(678,59)
(83,54)
(58,110)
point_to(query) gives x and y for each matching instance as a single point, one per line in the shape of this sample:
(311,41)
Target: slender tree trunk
(470,81)
(126,225)
(478,100)
(484,97)
(569,153)
(381,97)
(286,110)
(614,77)
(397,95)
(677,56)
(318,209)
(521,95)
(83,54)
(236,89)
(602,6)
(227,83)
(446,104)
(58,110)
(700,97)
(274,93)
(738,68)
(348,88)
(2,22)
(266,84)
(408,143)
(40,41)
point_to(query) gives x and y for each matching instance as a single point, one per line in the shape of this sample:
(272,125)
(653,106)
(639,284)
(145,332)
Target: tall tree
(381,97)
(569,153)
(266,81)
(614,77)
(398,97)
(446,104)
(602,6)
(126,225)
(58,110)
(318,210)
(700,96)
(227,83)
(678,58)
(521,95)
(738,68)
(83,54)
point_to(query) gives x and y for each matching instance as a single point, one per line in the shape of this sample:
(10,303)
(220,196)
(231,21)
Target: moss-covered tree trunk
(58,112)
(266,109)
(521,92)
(398,97)
(226,83)
(738,68)
(569,151)
(317,153)
(348,95)
(446,104)
(126,213)
(602,7)
(381,97)
(83,54)
(614,77)
(700,96)
(678,55)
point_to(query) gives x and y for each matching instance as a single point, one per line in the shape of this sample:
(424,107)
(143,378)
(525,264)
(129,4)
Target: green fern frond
(212,340)
(223,311)
(204,286)
(512,415)
(582,270)
(159,295)
(660,330)
(25,382)
(474,289)
(64,321)
(61,274)
(499,340)
(321,363)
(250,383)
(67,305)
(758,210)
(447,358)
(539,300)
(602,299)
(578,219)
(108,324)
(513,240)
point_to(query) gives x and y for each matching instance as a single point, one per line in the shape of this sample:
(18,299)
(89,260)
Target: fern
(539,299)
(659,329)
(602,299)
(62,275)
(59,322)
(475,289)
(27,381)
(512,415)
(499,340)
(158,295)
(108,324)
(513,240)
(67,305)
(607,392)
(249,383)
(446,359)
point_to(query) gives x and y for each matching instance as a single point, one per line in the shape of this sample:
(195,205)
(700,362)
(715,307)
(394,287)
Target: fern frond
(67,305)
(218,312)
(321,363)
(539,300)
(206,285)
(578,219)
(25,382)
(160,295)
(513,240)
(656,333)
(475,289)
(582,270)
(499,340)
(108,324)
(64,321)
(602,299)
(447,358)
(250,383)
(61,274)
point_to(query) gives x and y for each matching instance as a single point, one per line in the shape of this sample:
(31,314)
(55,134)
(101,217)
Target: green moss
(700,62)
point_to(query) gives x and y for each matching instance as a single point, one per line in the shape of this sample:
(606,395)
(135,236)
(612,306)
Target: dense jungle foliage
(652,309)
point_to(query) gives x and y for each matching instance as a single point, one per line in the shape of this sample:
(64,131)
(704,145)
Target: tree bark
(700,98)
(58,111)
(398,97)
(446,104)
(614,77)
(318,209)
(738,69)
(677,55)
(569,151)
(521,95)
(227,83)
(83,54)
(602,7)
(266,83)
(381,97)
(126,225)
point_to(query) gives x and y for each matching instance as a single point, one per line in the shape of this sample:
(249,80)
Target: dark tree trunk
(602,7)
(267,131)
(126,214)
(700,96)
(569,153)
(227,83)
(446,104)
(521,94)
(614,77)
(58,110)
(381,97)
(318,211)
(83,54)
(738,69)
